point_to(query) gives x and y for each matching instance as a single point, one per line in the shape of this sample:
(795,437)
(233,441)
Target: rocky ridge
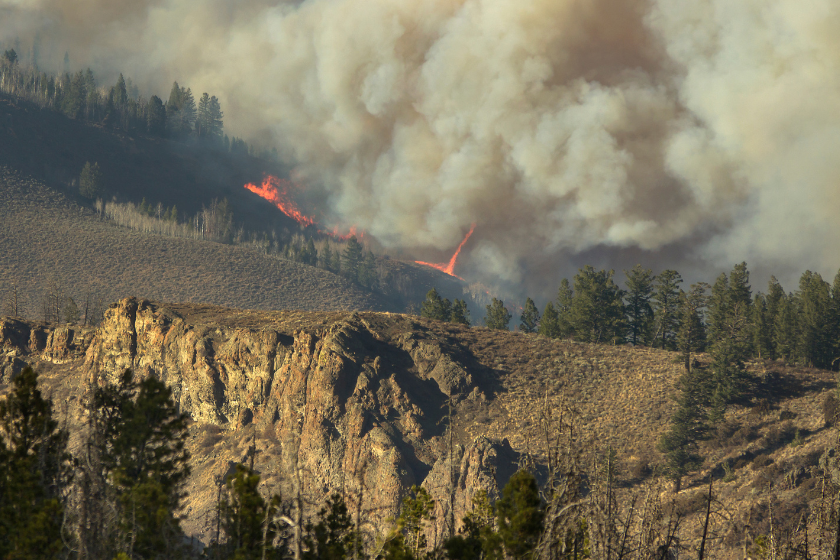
(360,403)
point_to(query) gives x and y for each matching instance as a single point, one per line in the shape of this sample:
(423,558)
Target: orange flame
(449,268)
(275,191)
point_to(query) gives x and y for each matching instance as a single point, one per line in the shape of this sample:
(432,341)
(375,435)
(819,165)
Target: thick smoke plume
(705,130)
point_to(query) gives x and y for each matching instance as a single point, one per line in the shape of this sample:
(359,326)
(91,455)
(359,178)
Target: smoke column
(706,131)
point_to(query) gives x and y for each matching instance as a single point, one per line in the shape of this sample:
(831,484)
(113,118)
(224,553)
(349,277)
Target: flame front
(275,191)
(449,268)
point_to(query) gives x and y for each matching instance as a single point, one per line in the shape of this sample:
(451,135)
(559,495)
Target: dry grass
(45,237)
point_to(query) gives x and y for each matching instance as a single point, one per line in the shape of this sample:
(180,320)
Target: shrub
(831,407)
(778,435)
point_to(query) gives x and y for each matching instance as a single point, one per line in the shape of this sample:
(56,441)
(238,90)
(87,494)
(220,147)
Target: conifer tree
(435,307)
(90,181)
(692,335)
(688,427)
(666,308)
(550,323)
(155,116)
(637,304)
(460,314)
(34,473)
(530,318)
(786,328)
(498,317)
(201,119)
(762,331)
(775,294)
(119,93)
(367,271)
(144,455)
(815,326)
(248,520)
(326,256)
(565,296)
(519,515)
(333,537)
(597,311)
(352,258)
(11,57)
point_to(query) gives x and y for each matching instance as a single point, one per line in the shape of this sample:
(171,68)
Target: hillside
(50,235)
(358,400)
(45,238)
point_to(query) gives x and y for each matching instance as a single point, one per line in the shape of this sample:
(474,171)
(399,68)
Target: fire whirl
(449,268)
(276,191)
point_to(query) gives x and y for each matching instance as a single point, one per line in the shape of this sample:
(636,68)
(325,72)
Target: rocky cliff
(350,401)
(363,403)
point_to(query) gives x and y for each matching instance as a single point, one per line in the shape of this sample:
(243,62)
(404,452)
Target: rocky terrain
(360,402)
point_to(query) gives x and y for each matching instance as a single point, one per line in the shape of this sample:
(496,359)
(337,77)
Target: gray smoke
(701,133)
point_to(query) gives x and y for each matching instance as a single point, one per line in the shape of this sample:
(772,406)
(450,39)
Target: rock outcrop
(354,405)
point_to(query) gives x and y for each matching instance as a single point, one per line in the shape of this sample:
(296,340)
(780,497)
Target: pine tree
(460,314)
(637,304)
(666,308)
(834,321)
(688,427)
(692,336)
(156,116)
(814,321)
(11,57)
(144,455)
(550,323)
(435,307)
(762,332)
(519,514)
(71,312)
(775,294)
(597,311)
(786,328)
(565,295)
(202,117)
(34,473)
(119,93)
(215,125)
(367,271)
(352,258)
(326,256)
(498,317)
(530,318)
(408,538)
(90,181)
(333,537)
(248,520)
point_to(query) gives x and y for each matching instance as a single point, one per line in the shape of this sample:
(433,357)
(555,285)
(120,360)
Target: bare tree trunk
(706,524)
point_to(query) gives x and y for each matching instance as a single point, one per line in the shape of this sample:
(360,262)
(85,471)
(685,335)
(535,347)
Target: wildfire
(276,191)
(449,268)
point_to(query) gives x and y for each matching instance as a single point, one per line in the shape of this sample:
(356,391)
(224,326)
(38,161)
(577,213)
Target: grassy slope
(46,236)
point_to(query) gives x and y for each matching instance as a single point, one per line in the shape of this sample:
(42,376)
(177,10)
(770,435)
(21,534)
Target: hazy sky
(673,133)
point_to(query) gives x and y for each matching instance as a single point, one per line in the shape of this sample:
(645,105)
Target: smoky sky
(671,133)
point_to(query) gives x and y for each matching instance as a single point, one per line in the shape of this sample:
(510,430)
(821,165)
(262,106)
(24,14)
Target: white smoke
(557,126)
